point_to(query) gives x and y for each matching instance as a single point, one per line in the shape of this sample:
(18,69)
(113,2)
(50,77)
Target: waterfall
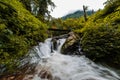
(66,67)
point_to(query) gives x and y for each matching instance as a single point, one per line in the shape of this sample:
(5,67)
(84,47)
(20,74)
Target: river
(67,67)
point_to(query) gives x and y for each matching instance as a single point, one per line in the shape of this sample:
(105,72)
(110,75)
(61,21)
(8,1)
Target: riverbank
(19,31)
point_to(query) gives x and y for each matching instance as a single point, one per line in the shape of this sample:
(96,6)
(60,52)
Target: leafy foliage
(19,30)
(39,8)
(100,36)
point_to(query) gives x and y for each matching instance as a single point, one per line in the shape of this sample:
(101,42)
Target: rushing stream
(66,67)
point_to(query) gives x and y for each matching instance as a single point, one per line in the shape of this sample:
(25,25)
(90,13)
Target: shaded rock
(73,49)
(54,41)
(72,45)
(20,74)
(45,75)
(54,44)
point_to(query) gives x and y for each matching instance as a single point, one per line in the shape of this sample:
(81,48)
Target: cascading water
(66,67)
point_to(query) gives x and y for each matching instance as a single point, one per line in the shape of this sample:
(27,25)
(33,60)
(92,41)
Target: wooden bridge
(56,32)
(59,30)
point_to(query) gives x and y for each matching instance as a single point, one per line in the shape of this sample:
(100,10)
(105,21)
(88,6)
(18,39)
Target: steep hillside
(76,14)
(100,37)
(19,30)
(100,34)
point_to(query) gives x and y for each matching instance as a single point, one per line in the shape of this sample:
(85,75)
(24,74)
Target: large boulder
(72,45)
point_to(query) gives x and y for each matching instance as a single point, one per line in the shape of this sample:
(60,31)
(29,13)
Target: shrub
(19,31)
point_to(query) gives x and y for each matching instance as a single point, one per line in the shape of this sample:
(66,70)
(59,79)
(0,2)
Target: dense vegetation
(100,36)
(39,8)
(19,31)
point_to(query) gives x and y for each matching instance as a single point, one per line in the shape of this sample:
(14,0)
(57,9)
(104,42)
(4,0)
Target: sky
(63,7)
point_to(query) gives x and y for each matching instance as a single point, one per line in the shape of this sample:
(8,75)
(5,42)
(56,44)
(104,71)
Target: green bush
(100,34)
(100,38)
(19,31)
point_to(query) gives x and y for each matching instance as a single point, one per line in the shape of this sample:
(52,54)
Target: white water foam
(66,67)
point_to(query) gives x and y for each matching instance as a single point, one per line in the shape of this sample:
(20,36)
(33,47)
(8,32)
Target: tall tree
(27,4)
(39,7)
(111,2)
(43,7)
(85,13)
(110,6)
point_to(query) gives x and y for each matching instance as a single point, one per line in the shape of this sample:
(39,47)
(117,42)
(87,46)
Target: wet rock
(45,74)
(72,45)
(20,74)
(73,49)
(54,41)
(13,77)
(56,78)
